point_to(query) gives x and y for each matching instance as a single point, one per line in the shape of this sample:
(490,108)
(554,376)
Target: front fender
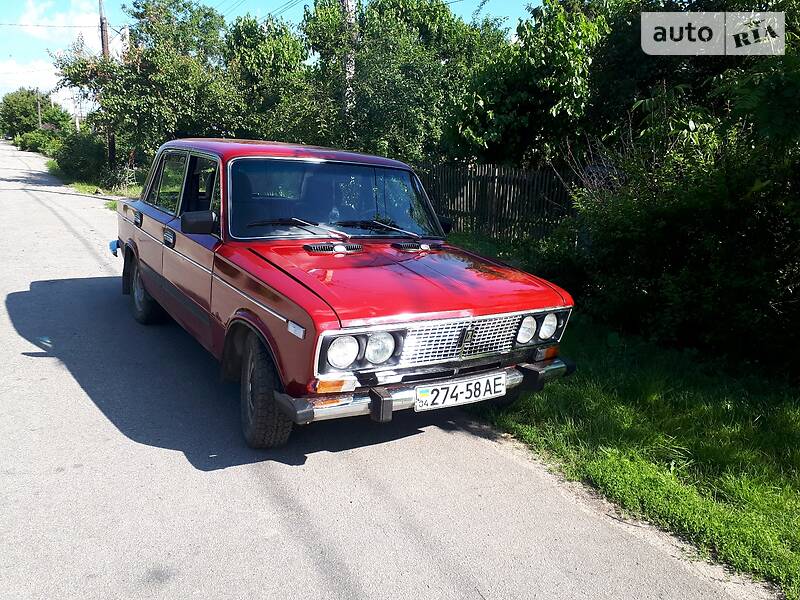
(250,320)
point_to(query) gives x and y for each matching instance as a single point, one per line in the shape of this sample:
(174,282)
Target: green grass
(669,437)
(92,187)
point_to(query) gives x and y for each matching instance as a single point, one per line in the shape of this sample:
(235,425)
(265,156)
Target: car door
(151,216)
(189,258)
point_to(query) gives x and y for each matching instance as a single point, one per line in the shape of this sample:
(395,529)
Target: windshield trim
(229,193)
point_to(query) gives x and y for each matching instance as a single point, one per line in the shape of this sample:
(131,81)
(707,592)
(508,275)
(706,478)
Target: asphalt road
(123,473)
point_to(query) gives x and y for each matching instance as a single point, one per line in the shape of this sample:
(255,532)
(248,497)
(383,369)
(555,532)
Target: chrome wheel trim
(138,289)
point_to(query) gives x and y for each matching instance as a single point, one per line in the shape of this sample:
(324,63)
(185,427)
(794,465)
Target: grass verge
(669,437)
(93,187)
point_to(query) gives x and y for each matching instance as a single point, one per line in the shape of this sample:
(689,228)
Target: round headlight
(527,330)
(380,347)
(343,351)
(549,326)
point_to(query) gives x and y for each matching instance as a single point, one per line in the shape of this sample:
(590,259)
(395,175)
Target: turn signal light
(547,353)
(333,386)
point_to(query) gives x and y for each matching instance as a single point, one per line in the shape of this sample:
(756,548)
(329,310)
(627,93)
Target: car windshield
(291,198)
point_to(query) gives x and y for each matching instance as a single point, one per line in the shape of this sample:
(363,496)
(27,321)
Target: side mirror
(447,224)
(199,221)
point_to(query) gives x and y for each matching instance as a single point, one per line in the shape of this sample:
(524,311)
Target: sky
(32,30)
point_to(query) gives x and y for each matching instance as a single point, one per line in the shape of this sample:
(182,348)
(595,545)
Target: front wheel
(263,423)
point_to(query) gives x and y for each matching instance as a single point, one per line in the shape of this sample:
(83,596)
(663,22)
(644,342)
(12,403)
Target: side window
(152,195)
(173,168)
(216,199)
(201,184)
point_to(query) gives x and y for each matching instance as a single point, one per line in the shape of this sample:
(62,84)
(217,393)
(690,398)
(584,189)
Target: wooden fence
(503,203)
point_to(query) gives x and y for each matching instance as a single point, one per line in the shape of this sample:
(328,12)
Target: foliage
(265,63)
(535,91)
(34,141)
(413,65)
(102,183)
(692,232)
(767,95)
(19,113)
(712,457)
(188,28)
(169,84)
(82,155)
(186,74)
(413,61)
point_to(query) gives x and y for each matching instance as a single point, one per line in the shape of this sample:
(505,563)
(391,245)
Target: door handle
(169,238)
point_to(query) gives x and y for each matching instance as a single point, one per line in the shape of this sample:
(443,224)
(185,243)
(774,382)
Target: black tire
(264,425)
(507,400)
(144,308)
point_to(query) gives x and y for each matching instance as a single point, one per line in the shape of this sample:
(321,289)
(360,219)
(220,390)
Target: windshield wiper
(298,223)
(371,223)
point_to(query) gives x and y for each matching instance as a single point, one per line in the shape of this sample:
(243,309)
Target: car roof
(233,148)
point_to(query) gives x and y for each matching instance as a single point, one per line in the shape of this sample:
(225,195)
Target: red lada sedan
(322,280)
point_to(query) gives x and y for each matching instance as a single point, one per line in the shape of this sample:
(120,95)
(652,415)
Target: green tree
(413,60)
(19,113)
(534,93)
(265,63)
(170,83)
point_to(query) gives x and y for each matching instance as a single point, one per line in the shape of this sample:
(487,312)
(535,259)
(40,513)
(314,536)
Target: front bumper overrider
(381,401)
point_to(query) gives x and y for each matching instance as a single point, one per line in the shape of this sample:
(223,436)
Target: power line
(47,25)
(277,13)
(26,71)
(233,7)
(217,7)
(279,10)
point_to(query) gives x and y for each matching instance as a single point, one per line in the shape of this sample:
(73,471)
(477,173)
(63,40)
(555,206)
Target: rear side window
(168,183)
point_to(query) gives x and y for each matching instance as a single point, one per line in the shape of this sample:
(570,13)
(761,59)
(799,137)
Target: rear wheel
(263,423)
(144,308)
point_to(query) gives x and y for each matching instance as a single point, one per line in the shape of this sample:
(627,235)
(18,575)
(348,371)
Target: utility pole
(112,143)
(77,111)
(103,29)
(349,9)
(39,106)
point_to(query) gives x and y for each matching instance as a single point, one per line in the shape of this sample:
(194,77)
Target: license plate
(431,397)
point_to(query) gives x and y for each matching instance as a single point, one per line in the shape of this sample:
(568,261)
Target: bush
(82,156)
(121,178)
(696,245)
(52,146)
(35,141)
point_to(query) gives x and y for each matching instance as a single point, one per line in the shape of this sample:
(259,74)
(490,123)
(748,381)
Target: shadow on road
(159,387)
(30,178)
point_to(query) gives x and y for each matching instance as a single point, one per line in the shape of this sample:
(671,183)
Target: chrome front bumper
(382,401)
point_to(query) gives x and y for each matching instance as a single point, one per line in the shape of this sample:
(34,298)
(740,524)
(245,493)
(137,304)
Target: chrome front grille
(459,339)
(493,334)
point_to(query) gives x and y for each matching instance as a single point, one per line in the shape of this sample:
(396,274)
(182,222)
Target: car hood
(385,284)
